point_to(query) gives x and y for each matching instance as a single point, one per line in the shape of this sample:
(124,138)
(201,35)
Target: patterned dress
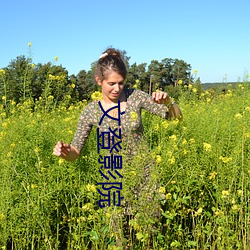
(131,122)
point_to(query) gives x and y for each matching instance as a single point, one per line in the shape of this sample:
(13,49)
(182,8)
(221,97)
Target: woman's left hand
(161,97)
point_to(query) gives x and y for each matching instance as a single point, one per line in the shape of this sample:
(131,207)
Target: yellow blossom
(29,44)
(162,190)
(184,141)
(168,196)
(96,96)
(137,81)
(194,90)
(225,193)
(190,86)
(180,82)
(4,124)
(191,140)
(133,116)
(247,108)
(195,71)
(56,58)
(13,103)
(37,149)
(164,124)
(87,207)
(73,85)
(235,207)
(91,188)
(3,97)
(207,147)
(50,97)
(173,137)
(239,192)
(2,72)
(247,135)
(198,212)
(135,86)
(158,159)
(171,160)
(60,161)
(33,186)
(225,159)
(2,217)
(212,175)
(238,116)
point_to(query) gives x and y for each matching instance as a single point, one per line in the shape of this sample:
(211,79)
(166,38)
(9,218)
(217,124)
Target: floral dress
(130,122)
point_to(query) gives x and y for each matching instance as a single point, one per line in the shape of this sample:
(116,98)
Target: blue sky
(212,36)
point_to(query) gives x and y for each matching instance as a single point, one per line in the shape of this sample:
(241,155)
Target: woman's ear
(98,80)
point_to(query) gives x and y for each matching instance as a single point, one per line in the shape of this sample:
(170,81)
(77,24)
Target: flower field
(202,165)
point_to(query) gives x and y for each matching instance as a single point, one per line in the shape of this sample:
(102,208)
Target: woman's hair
(110,60)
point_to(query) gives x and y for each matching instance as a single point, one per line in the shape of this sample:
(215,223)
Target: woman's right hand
(61,149)
(66,151)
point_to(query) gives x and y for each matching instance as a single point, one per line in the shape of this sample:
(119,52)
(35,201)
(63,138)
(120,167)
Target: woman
(125,104)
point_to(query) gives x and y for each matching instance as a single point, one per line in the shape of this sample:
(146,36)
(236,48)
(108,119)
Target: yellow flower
(33,186)
(91,188)
(195,71)
(162,190)
(87,207)
(156,127)
(2,72)
(73,85)
(2,217)
(4,124)
(158,159)
(29,44)
(235,207)
(60,161)
(3,97)
(164,124)
(37,149)
(191,140)
(133,116)
(225,159)
(137,81)
(212,175)
(50,97)
(247,108)
(190,86)
(198,212)
(96,96)
(225,193)
(238,116)
(135,86)
(207,147)
(56,58)
(180,82)
(171,160)
(173,137)
(168,196)
(194,90)
(239,192)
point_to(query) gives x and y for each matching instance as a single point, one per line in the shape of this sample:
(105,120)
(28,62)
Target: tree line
(22,79)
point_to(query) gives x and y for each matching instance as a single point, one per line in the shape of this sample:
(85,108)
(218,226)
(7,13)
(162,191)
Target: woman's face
(112,86)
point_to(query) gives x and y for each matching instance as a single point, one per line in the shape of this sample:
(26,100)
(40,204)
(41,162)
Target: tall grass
(202,165)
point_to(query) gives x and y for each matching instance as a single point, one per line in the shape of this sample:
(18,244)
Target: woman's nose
(116,87)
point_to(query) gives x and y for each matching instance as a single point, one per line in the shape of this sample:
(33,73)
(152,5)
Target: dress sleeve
(151,106)
(84,127)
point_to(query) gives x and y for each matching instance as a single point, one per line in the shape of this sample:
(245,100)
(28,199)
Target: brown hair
(110,60)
